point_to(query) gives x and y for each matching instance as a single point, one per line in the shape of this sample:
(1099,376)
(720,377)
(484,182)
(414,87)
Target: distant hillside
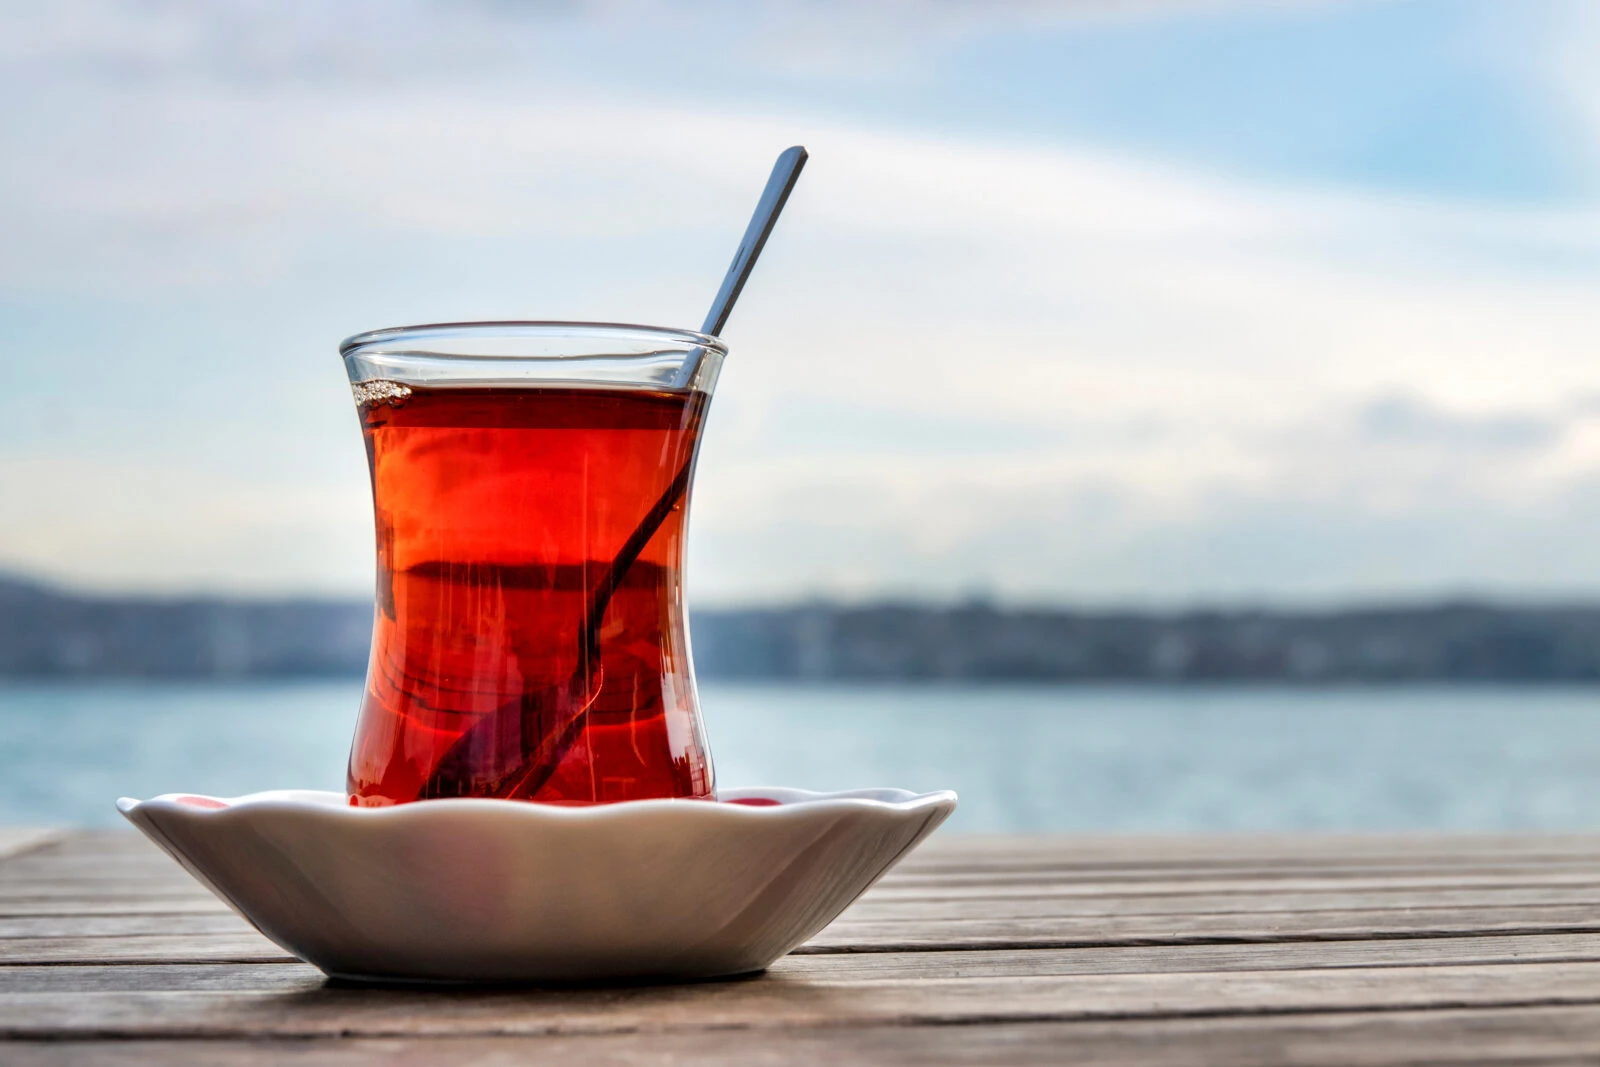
(47,632)
(1446,642)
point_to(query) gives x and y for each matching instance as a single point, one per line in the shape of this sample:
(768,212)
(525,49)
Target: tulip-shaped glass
(530,487)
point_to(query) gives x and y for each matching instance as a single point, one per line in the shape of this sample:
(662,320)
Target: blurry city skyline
(1162,302)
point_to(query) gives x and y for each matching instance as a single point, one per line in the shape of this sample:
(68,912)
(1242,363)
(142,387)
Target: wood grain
(1544,1036)
(16,840)
(776,1002)
(867,966)
(1160,950)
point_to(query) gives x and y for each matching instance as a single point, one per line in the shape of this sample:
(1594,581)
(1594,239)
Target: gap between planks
(881,910)
(247,946)
(776,1003)
(960,963)
(1524,1036)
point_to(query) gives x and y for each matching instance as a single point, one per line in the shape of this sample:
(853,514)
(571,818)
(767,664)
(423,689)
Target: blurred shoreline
(50,633)
(1025,758)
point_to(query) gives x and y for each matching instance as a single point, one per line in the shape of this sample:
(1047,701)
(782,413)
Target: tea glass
(530,488)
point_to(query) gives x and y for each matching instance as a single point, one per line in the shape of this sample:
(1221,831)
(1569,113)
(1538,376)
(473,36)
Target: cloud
(1402,420)
(388,42)
(125,523)
(1324,512)
(967,361)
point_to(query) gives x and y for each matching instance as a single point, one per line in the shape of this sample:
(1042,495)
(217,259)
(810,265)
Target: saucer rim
(790,802)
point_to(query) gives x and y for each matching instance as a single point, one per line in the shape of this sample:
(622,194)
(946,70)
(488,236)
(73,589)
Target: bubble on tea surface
(380,392)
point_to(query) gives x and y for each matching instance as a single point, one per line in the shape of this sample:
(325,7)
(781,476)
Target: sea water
(1023,758)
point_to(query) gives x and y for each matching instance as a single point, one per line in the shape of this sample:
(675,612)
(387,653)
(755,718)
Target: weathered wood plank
(171,889)
(1209,847)
(233,940)
(109,841)
(1268,899)
(775,1002)
(1233,950)
(848,935)
(246,946)
(869,966)
(1194,959)
(183,895)
(19,840)
(85,926)
(158,977)
(1523,1036)
(26,907)
(1511,879)
(81,897)
(879,909)
(1266,874)
(167,889)
(1016,903)
(1046,914)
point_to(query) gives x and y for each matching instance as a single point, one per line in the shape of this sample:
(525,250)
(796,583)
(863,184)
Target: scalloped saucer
(499,890)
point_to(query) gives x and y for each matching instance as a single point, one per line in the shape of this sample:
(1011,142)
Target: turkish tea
(528,636)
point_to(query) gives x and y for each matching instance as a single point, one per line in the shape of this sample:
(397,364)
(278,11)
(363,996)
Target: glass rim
(687,339)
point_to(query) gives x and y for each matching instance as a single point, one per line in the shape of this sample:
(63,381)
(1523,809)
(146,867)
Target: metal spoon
(785,173)
(538,728)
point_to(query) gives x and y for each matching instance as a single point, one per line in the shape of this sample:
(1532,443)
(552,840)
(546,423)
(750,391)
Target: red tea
(528,639)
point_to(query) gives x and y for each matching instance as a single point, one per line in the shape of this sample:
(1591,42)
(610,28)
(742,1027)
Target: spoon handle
(785,172)
(534,732)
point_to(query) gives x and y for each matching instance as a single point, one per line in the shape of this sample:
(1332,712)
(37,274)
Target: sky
(1169,302)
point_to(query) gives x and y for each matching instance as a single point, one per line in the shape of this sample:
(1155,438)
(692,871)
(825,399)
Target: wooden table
(1349,950)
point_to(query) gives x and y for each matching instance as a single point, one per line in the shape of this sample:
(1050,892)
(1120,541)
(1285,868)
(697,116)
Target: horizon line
(1356,603)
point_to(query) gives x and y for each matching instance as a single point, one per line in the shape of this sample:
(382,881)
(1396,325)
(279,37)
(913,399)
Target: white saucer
(504,890)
